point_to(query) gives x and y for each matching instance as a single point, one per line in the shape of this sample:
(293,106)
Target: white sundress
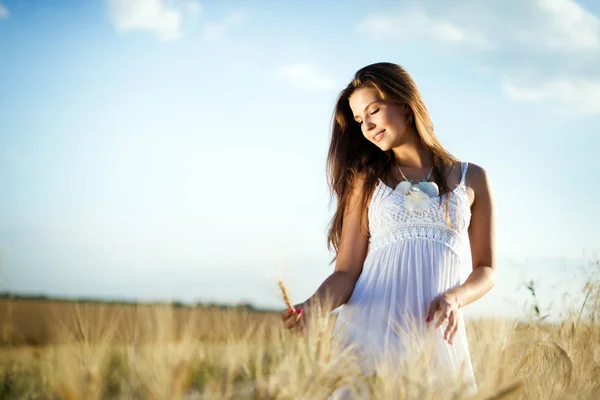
(413,257)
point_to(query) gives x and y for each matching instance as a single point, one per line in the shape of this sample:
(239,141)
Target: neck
(413,154)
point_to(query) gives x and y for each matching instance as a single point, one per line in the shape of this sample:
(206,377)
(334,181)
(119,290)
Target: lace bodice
(390,221)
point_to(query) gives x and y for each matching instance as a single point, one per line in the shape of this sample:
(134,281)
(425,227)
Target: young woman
(405,208)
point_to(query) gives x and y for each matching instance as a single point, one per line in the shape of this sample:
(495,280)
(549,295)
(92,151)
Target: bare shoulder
(476,175)
(478,183)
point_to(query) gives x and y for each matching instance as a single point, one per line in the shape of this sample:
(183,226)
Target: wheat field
(92,350)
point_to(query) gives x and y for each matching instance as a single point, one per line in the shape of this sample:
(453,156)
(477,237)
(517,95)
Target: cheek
(388,119)
(398,121)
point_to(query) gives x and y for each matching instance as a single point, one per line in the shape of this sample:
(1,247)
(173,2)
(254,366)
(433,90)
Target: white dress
(413,257)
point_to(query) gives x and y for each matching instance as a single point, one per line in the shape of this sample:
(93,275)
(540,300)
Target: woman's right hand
(295,321)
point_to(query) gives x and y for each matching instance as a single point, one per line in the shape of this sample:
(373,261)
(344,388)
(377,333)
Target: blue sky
(156,149)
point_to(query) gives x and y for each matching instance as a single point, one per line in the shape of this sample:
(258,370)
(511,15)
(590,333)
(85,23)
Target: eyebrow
(368,105)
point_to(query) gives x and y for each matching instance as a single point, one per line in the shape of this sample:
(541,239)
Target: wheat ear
(286,297)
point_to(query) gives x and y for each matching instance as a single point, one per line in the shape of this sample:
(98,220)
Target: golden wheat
(285,296)
(102,351)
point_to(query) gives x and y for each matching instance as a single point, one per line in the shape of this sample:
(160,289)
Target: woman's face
(383,124)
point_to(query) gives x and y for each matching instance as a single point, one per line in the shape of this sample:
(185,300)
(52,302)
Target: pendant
(415,198)
(430,188)
(403,187)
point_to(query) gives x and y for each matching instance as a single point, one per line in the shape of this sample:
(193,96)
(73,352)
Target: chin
(384,146)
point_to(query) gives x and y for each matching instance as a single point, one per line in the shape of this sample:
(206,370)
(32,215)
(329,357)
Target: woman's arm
(354,242)
(481,237)
(483,276)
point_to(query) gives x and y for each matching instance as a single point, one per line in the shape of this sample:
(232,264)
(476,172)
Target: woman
(405,207)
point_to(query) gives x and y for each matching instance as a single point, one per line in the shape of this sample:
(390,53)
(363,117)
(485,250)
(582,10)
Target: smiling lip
(378,136)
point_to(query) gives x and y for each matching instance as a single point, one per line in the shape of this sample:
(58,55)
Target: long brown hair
(351,154)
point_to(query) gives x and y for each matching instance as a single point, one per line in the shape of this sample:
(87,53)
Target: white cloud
(217,30)
(151,15)
(306,75)
(570,27)
(3,11)
(416,24)
(575,96)
(542,50)
(566,40)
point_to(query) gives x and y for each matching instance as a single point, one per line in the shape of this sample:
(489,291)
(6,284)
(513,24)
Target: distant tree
(177,304)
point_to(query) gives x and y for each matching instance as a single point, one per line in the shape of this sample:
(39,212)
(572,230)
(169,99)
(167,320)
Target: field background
(52,349)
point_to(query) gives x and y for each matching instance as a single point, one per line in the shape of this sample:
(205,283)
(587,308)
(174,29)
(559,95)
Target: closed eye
(375,111)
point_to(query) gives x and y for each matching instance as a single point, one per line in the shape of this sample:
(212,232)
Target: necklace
(419,193)
(412,180)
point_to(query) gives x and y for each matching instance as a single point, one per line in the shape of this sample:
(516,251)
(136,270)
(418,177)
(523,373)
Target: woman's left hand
(448,304)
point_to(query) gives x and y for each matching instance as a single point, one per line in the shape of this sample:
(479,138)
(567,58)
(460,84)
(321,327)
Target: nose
(368,125)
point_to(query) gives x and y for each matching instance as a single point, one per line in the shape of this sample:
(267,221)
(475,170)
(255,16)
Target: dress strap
(463,166)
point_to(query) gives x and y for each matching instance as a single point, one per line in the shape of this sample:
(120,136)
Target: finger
(286,314)
(450,326)
(452,336)
(299,314)
(433,307)
(454,331)
(292,320)
(444,315)
(290,323)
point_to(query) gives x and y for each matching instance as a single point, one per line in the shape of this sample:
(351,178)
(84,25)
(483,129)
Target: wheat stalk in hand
(286,297)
